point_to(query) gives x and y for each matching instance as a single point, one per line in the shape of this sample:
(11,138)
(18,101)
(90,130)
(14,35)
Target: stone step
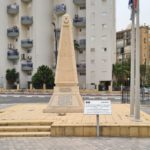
(25,123)
(25,134)
(25,129)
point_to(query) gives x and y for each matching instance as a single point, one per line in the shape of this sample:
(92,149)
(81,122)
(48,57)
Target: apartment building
(123,40)
(30,30)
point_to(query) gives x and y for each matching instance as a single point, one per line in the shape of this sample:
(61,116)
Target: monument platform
(29,120)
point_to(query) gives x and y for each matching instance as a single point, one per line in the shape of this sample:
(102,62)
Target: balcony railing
(13,9)
(60,9)
(27,66)
(80,2)
(26,20)
(79,22)
(13,32)
(81,44)
(12,54)
(26,1)
(27,43)
(81,68)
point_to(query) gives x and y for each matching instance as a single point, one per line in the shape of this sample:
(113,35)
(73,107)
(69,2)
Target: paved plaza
(48,143)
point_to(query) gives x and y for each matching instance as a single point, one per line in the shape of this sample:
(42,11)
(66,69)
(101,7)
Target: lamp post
(56,45)
(122,53)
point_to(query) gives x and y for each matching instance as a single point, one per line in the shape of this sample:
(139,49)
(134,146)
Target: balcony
(12,54)
(79,22)
(13,9)
(81,44)
(60,9)
(27,43)
(27,66)
(27,20)
(26,1)
(81,68)
(13,32)
(79,2)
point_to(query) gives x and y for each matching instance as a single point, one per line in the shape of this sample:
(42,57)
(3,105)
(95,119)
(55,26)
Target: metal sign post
(97,107)
(97,127)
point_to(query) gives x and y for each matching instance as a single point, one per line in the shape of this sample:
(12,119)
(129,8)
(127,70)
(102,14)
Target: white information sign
(97,107)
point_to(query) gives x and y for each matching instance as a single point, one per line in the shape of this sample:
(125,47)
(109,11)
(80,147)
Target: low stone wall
(106,131)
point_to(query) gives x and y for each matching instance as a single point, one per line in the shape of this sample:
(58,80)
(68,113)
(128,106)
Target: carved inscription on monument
(65,90)
(65,100)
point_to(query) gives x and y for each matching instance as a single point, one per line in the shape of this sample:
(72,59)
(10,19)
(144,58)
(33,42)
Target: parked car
(145,90)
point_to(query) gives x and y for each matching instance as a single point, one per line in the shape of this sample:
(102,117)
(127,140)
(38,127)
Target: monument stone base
(65,100)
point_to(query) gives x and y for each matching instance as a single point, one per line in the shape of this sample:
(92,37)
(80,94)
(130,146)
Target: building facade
(123,43)
(30,30)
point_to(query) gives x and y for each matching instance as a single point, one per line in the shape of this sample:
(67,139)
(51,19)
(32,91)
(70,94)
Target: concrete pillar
(44,86)
(31,87)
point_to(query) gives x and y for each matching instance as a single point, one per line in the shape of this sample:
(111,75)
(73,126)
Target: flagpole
(132,73)
(137,77)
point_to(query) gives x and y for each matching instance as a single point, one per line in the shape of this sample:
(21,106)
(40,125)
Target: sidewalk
(50,91)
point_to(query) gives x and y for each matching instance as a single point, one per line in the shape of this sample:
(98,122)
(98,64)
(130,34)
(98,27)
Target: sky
(123,13)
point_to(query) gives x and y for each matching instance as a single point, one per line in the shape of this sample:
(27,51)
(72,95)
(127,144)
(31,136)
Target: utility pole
(137,77)
(132,71)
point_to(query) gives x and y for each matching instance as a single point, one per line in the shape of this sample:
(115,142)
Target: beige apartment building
(123,43)
(29,36)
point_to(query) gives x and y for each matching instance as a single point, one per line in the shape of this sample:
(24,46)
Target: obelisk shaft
(66,97)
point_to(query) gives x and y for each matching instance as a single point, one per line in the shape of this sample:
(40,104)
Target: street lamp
(122,53)
(56,45)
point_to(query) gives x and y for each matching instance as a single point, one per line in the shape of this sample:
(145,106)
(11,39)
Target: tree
(142,74)
(121,72)
(11,76)
(44,75)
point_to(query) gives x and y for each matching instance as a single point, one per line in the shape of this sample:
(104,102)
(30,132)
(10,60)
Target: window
(104,13)
(103,37)
(104,26)
(82,73)
(92,49)
(82,7)
(105,49)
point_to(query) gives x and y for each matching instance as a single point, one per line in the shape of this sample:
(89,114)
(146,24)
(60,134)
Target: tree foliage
(121,72)
(44,75)
(11,76)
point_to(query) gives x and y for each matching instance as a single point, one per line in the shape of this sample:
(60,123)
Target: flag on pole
(133,4)
(130,4)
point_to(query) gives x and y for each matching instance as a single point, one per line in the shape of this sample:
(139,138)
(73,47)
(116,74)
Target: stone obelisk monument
(66,97)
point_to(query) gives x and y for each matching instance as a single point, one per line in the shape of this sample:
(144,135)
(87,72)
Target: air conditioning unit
(29,57)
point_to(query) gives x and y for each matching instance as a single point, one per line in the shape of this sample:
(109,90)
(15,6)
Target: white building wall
(99,34)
